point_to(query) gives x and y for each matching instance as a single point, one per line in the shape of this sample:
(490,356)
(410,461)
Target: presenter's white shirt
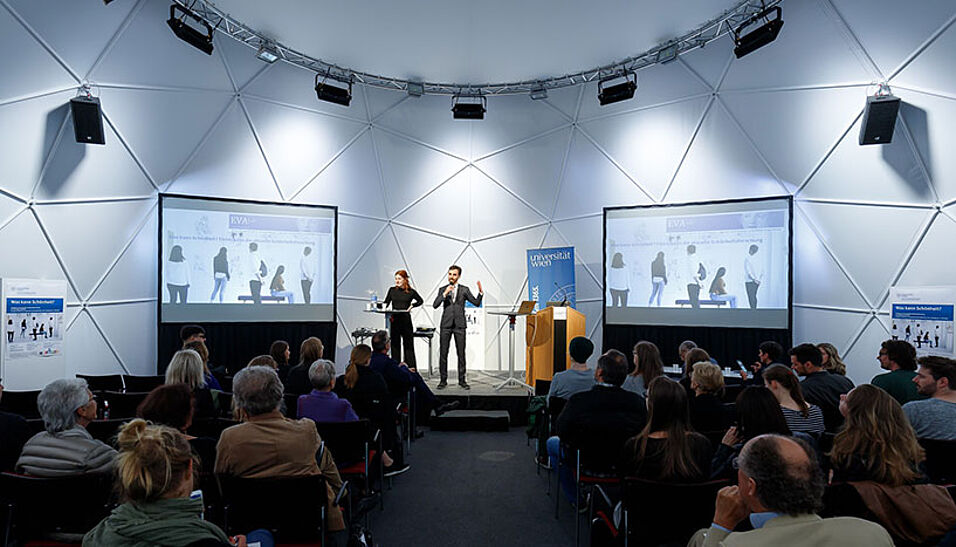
(177,273)
(454,292)
(693,269)
(307,267)
(254,266)
(617,279)
(752,268)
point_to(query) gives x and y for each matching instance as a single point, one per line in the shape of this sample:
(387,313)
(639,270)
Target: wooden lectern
(548,334)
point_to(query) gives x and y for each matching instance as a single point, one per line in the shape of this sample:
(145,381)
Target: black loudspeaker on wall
(879,119)
(87,120)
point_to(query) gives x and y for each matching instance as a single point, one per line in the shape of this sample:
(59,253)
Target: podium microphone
(564,301)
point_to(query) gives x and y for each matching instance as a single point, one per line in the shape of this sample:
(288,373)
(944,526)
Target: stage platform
(482,395)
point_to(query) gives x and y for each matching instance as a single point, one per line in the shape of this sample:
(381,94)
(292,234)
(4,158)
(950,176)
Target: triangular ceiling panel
(895,228)
(76,171)
(375,270)
(862,363)
(794,130)
(446,210)
(649,144)
(531,170)
(812,49)
(410,170)
(79,49)
(817,279)
(710,61)
(655,85)
(474,270)
(137,353)
(351,316)
(355,234)
(930,265)
(88,247)
(382,100)
(565,99)
(87,351)
(352,182)
(9,208)
(28,68)
(240,59)
(928,119)
(494,210)
(298,144)
(229,163)
(814,326)
(177,119)
(148,53)
(429,120)
(428,257)
(290,84)
(38,122)
(507,257)
(591,182)
(135,274)
(721,164)
(884,173)
(511,119)
(932,70)
(890,30)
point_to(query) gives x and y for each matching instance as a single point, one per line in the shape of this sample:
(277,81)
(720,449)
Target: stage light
(622,91)
(268,53)
(667,54)
(469,107)
(416,89)
(539,94)
(761,35)
(325,91)
(190,34)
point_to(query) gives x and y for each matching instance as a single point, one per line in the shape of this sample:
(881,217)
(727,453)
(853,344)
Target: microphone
(564,301)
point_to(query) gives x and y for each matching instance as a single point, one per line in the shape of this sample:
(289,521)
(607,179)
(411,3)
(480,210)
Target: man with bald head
(780,488)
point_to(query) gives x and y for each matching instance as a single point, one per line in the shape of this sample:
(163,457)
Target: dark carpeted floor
(471,489)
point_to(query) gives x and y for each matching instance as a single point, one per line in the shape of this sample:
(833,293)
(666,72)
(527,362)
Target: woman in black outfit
(220,270)
(402,297)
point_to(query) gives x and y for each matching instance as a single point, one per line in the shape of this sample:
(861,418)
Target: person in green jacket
(899,358)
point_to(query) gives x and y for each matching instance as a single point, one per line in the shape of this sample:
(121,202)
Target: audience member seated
(935,417)
(297,381)
(399,379)
(800,415)
(67,406)
(322,405)
(768,353)
(264,361)
(667,449)
(186,368)
(267,444)
(200,347)
(695,355)
(831,359)
(819,386)
(876,443)
(780,488)
(195,333)
(279,350)
(369,395)
(758,413)
(577,377)
(173,405)
(14,431)
(155,475)
(683,348)
(899,358)
(647,366)
(707,412)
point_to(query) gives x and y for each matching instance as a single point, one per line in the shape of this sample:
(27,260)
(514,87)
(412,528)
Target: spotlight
(416,89)
(761,35)
(268,52)
(333,94)
(539,94)
(190,34)
(618,92)
(469,107)
(667,54)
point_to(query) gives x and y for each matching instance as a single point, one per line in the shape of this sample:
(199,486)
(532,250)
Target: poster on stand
(34,321)
(551,276)
(923,316)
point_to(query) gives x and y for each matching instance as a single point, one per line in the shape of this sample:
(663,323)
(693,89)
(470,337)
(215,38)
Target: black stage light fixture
(87,119)
(879,118)
(760,36)
(416,89)
(333,94)
(622,91)
(469,107)
(190,34)
(268,52)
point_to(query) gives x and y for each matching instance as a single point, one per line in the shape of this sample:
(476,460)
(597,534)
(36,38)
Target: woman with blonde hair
(877,442)
(707,411)
(200,347)
(186,368)
(831,359)
(297,381)
(647,366)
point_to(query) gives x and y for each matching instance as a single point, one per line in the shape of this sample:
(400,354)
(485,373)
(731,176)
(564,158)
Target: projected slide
(719,264)
(226,260)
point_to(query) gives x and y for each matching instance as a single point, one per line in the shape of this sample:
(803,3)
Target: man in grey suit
(780,488)
(453,297)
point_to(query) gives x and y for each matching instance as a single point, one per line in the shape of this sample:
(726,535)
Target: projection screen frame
(788,198)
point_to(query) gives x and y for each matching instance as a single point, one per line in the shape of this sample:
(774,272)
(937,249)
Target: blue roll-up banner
(551,276)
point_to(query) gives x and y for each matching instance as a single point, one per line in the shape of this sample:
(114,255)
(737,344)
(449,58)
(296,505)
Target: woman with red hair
(402,297)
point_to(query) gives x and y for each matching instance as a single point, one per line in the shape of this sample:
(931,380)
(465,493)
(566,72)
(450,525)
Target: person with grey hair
(186,368)
(684,347)
(66,448)
(267,444)
(780,488)
(322,404)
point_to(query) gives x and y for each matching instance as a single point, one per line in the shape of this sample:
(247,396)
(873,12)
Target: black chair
(211,428)
(37,507)
(355,447)
(656,513)
(121,405)
(291,404)
(588,471)
(541,388)
(142,383)
(36,425)
(555,406)
(731,392)
(292,508)
(108,382)
(106,430)
(23,403)
(940,460)
(223,403)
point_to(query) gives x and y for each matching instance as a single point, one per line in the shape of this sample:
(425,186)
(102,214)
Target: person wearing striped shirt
(800,415)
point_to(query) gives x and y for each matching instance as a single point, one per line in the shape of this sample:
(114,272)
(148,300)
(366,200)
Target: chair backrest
(142,383)
(940,460)
(542,387)
(39,506)
(121,405)
(347,441)
(292,508)
(23,403)
(105,430)
(731,391)
(555,406)
(108,382)
(211,427)
(291,401)
(658,512)
(223,402)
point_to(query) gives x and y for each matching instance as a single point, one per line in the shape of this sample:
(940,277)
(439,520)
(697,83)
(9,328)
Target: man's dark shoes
(442,385)
(464,386)
(441,409)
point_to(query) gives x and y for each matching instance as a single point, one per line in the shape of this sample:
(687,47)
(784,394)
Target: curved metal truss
(704,34)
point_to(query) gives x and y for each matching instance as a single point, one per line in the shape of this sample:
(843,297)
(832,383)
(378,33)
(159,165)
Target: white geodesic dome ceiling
(419,190)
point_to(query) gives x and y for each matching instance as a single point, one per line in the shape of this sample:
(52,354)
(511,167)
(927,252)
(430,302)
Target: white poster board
(923,316)
(34,318)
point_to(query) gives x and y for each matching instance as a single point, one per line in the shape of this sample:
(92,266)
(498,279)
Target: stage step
(472,420)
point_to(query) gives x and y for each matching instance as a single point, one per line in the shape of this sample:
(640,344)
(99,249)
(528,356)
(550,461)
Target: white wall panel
(710,63)
(240,65)
(355,235)
(861,360)
(134,276)
(506,256)
(26,252)
(32,70)
(932,263)
(138,352)
(410,170)
(38,123)
(821,325)
(929,121)
(351,182)
(817,278)
(495,210)
(375,269)
(655,85)
(933,69)
(87,352)
(512,119)
(428,119)
(446,210)
(428,257)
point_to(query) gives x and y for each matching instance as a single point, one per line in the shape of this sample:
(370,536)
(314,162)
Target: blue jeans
(657,290)
(559,464)
(289,297)
(219,287)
